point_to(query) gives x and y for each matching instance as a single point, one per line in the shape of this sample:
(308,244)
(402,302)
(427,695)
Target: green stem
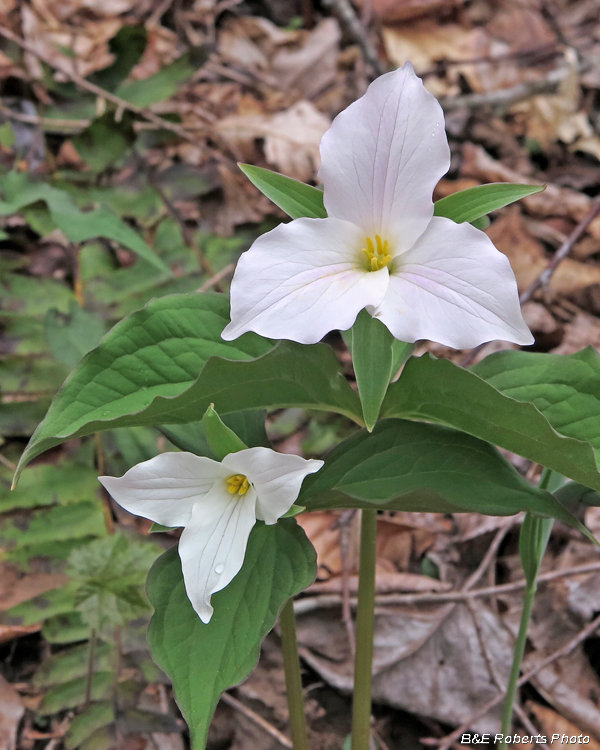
(365,625)
(540,529)
(293,679)
(517,661)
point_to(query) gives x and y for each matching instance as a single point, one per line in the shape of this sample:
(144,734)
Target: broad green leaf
(221,438)
(545,407)
(473,203)
(411,466)
(77,225)
(204,660)
(152,368)
(159,350)
(372,347)
(296,198)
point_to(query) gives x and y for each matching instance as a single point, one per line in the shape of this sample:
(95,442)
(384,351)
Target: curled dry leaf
(528,258)
(428,663)
(551,723)
(300,63)
(88,42)
(291,138)
(553,201)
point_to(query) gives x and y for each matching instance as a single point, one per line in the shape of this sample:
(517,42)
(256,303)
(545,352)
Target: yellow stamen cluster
(237,483)
(377,254)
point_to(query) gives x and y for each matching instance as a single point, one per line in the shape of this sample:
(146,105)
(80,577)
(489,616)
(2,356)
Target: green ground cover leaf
(545,407)
(19,191)
(474,203)
(72,336)
(152,368)
(405,465)
(204,660)
(48,484)
(61,523)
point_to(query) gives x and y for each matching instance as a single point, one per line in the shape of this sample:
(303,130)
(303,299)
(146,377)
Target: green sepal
(158,527)
(295,510)
(221,439)
(473,203)
(203,660)
(296,198)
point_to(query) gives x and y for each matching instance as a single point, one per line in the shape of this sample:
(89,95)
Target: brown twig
(257,719)
(333,600)
(520,713)
(543,279)
(347,17)
(97,90)
(565,650)
(509,96)
(218,277)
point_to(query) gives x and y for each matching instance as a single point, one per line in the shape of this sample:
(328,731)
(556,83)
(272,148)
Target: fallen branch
(333,600)
(83,83)
(543,280)
(257,719)
(347,17)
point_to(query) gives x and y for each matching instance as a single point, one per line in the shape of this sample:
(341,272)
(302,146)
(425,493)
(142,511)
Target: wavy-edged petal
(276,477)
(382,157)
(213,544)
(453,287)
(302,280)
(165,488)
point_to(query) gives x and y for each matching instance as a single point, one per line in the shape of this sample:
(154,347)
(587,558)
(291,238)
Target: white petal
(165,488)
(455,288)
(302,280)
(213,544)
(382,157)
(277,478)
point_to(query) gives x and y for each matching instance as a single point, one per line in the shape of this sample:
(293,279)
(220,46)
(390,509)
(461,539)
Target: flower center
(377,253)
(237,483)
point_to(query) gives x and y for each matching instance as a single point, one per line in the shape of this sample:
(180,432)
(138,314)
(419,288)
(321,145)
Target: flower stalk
(293,678)
(535,533)
(365,627)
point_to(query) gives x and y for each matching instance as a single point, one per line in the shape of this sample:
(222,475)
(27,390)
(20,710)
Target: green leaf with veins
(545,407)
(204,660)
(410,466)
(159,366)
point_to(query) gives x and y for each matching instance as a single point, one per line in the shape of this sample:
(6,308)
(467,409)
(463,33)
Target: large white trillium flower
(380,248)
(217,503)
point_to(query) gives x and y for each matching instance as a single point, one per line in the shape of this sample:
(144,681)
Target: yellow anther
(237,483)
(377,253)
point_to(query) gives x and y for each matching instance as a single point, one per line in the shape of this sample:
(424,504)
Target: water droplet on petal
(433,135)
(437,124)
(219,568)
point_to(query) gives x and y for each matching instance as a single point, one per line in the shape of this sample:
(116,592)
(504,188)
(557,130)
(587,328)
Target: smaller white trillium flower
(381,248)
(216,503)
